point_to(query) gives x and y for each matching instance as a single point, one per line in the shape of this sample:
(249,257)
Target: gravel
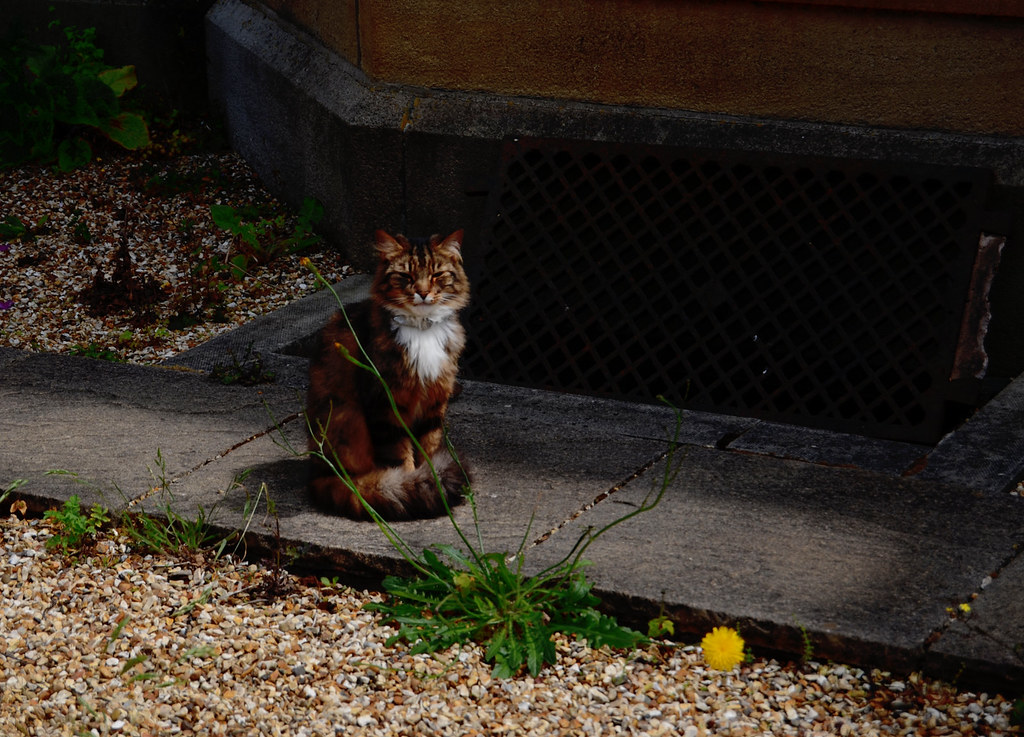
(117,642)
(74,224)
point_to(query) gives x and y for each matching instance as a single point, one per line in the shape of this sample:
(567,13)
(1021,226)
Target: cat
(410,330)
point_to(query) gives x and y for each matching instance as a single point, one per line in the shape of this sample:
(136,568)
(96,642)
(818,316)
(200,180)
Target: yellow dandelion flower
(305,262)
(723,648)
(965,608)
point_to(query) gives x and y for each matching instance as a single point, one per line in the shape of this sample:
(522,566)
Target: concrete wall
(796,61)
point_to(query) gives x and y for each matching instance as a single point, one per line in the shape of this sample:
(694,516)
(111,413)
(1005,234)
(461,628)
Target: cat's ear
(387,247)
(452,245)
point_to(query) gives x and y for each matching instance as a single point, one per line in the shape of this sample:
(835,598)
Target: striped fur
(410,330)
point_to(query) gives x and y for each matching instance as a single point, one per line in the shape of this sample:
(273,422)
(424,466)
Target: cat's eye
(444,277)
(399,279)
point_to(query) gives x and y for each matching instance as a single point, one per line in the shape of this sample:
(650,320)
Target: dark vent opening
(826,293)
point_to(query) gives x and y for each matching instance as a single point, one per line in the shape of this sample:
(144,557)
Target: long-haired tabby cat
(410,330)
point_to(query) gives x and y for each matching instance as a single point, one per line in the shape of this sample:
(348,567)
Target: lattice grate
(825,293)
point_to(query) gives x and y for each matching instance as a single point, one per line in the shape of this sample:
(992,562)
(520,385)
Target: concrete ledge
(986,453)
(281,338)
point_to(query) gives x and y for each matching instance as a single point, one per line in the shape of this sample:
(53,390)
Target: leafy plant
(53,96)
(262,239)
(1017,713)
(13,228)
(481,599)
(204,288)
(461,595)
(94,350)
(807,644)
(661,626)
(75,527)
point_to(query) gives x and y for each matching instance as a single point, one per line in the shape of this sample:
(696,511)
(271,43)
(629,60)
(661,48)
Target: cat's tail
(395,493)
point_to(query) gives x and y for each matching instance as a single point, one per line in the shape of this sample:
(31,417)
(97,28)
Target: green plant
(262,239)
(1017,713)
(53,97)
(807,645)
(461,595)
(248,371)
(95,350)
(276,581)
(174,533)
(205,286)
(171,532)
(661,626)
(75,527)
(481,599)
(13,228)
(80,230)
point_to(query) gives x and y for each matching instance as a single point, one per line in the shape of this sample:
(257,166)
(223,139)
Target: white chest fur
(426,345)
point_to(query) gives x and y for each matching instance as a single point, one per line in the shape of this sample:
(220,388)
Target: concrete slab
(988,642)
(987,451)
(106,422)
(829,448)
(534,466)
(9,356)
(865,563)
(281,337)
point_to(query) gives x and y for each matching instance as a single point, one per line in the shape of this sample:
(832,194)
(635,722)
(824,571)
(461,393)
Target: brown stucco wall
(856,65)
(334,22)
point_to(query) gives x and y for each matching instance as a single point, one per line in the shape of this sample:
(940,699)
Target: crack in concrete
(278,424)
(600,498)
(1017,649)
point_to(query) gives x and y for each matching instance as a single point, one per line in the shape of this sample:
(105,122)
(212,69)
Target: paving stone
(987,643)
(864,562)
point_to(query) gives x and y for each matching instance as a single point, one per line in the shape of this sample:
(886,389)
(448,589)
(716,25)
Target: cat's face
(422,279)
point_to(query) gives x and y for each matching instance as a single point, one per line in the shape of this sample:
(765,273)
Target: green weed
(11,488)
(807,645)
(95,350)
(1017,713)
(661,626)
(247,371)
(75,527)
(170,532)
(13,228)
(262,239)
(174,533)
(477,597)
